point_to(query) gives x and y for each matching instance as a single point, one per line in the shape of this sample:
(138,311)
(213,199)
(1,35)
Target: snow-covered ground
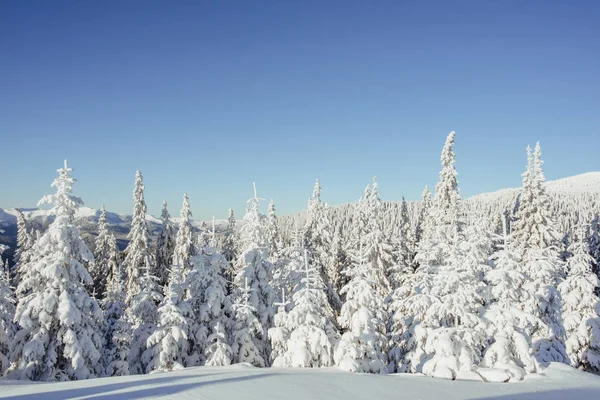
(558,382)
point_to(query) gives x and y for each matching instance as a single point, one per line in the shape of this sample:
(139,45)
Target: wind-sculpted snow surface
(242,382)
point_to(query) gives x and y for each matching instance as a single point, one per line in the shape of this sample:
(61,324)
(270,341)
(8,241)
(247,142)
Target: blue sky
(206,97)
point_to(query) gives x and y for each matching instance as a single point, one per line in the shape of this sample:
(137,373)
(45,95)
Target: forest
(448,287)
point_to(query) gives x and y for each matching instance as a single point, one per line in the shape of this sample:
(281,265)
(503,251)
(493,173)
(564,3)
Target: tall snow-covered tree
(273,236)
(317,240)
(60,336)
(404,248)
(581,307)
(165,245)
(230,249)
(312,333)
(279,333)
(254,268)
(508,325)
(7,313)
(137,254)
(184,240)
(247,330)
(209,307)
(593,242)
(362,347)
(535,241)
(169,342)
(117,330)
(100,270)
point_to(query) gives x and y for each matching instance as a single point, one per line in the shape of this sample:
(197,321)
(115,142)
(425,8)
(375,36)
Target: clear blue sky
(206,97)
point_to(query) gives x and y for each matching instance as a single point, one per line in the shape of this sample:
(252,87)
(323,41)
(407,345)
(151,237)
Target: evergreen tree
(593,241)
(117,330)
(404,248)
(274,238)
(254,269)
(317,239)
(312,334)
(165,247)
(7,312)
(279,334)
(508,325)
(103,256)
(138,258)
(169,341)
(209,307)
(581,307)
(59,337)
(362,347)
(247,330)
(536,241)
(230,250)
(218,353)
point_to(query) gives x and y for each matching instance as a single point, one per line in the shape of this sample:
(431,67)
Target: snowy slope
(583,183)
(241,382)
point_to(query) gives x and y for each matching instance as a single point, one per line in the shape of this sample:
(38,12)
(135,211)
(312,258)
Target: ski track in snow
(558,382)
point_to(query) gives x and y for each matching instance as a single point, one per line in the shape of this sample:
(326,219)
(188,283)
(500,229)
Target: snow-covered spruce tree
(247,330)
(103,257)
(317,240)
(362,347)
(279,334)
(273,236)
(424,230)
(168,344)
(142,315)
(254,267)
(593,242)
(209,307)
(218,353)
(404,248)
(340,261)
(312,333)
(7,313)
(117,330)
(137,254)
(581,307)
(230,249)
(184,248)
(165,246)
(25,242)
(509,327)
(60,338)
(142,290)
(535,241)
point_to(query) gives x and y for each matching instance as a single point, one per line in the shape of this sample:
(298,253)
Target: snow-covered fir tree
(254,269)
(7,312)
(168,344)
(536,243)
(218,352)
(117,330)
(593,242)
(138,258)
(581,307)
(273,236)
(184,240)
(509,327)
(101,269)
(165,245)
(317,240)
(247,330)
(312,333)
(209,306)
(142,315)
(230,249)
(362,347)
(279,334)
(60,336)
(25,242)
(404,248)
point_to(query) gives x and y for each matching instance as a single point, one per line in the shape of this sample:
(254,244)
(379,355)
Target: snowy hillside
(240,382)
(583,183)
